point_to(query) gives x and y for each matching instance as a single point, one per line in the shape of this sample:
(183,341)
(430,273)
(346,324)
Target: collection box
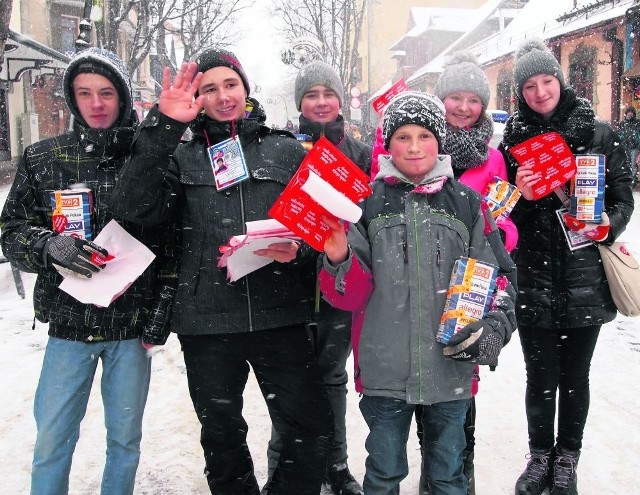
(586,201)
(469,297)
(72,210)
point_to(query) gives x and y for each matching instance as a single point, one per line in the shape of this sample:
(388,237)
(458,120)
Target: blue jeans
(389,421)
(61,402)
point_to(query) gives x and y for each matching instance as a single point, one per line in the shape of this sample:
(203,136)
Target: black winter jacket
(360,154)
(558,288)
(163,182)
(357,151)
(92,157)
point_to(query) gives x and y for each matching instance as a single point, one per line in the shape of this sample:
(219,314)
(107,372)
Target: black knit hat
(107,64)
(414,107)
(533,58)
(217,57)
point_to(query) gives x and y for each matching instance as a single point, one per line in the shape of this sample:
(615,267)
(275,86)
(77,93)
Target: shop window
(582,71)
(68,34)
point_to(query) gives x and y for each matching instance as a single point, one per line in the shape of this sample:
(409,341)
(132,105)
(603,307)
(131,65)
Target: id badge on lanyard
(228,163)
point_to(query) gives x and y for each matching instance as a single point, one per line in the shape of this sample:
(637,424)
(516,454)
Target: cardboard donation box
(551,157)
(469,297)
(586,200)
(326,184)
(501,198)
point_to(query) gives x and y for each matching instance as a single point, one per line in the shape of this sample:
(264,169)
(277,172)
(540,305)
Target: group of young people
(378,288)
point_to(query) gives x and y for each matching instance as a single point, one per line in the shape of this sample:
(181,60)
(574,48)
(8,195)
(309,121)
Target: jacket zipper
(242,218)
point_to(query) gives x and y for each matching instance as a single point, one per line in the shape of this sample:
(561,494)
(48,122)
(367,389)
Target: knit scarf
(574,119)
(469,147)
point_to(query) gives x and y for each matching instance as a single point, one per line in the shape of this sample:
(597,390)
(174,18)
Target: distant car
(498,131)
(498,115)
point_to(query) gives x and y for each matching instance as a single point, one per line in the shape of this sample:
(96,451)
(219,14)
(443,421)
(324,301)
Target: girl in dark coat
(563,296)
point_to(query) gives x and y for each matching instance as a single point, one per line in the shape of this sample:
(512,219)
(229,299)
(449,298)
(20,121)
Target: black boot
(537,476)
(469,470)
(565,477)
(341,482)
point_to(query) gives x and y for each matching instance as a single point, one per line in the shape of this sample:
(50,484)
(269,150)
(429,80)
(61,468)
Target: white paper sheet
(334,201)
(131,259)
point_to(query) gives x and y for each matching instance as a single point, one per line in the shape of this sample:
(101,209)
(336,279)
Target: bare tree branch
(335,24)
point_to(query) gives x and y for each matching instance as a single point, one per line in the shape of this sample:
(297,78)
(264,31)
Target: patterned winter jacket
(91,157)
(165,182)
(396,279)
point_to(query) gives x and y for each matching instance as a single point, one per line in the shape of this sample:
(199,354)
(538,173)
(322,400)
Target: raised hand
(178,100)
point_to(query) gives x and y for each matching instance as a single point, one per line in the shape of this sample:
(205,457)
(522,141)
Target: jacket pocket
(197,177)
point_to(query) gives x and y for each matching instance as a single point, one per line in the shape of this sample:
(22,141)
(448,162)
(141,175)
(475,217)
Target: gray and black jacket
(405,246)
(93,158)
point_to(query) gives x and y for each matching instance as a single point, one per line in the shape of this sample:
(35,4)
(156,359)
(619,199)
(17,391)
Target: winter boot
(341,482)
(469,470)
(537,476)
(565,477)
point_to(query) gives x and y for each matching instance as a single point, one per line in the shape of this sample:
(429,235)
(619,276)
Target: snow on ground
(172,464)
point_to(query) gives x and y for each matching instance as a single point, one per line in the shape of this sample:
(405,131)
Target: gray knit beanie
(414,107)
(462,73)
(533,58)
(317,73)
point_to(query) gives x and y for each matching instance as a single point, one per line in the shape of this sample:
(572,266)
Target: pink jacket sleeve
(479,179)
(349,287)
(378,149)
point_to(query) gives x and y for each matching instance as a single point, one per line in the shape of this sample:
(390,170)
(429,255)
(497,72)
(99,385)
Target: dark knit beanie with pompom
(534,58)
(414,107)
(462,73)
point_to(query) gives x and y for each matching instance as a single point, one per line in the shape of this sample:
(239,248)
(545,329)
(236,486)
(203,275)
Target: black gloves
(73,255)
(480,341)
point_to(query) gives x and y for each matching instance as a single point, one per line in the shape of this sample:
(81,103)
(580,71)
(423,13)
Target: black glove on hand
(73,255)
(480,342)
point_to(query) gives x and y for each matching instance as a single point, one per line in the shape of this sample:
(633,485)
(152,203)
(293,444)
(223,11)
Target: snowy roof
(548,20)
(438,19)
(480,16)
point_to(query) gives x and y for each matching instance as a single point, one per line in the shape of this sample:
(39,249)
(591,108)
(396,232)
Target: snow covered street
(172,462)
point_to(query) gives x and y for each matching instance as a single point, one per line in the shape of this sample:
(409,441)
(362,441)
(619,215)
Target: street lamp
(84,35)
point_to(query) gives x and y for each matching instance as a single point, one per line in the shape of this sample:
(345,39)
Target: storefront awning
(23,54)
